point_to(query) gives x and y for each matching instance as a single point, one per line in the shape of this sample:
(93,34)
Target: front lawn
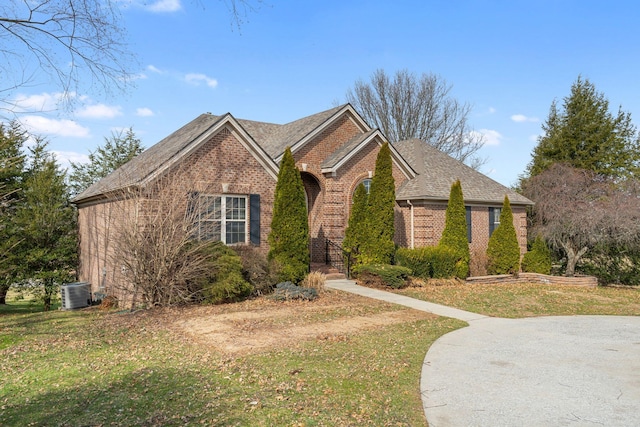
(525,300)
(90,368)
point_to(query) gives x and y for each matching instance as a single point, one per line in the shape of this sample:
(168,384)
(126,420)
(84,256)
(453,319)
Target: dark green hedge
(393,276)
(438,262)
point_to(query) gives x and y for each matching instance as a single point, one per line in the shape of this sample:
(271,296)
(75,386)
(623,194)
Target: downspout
(412,235)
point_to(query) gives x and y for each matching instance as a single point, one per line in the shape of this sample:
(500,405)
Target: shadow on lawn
(146,397)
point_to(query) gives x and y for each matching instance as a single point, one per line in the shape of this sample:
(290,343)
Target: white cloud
(521,118)
(492,110)
(66,157)
(40,102)
(144,112)
(154,69)
(42,125)
(196,79)
(165,6)
(489,136)
(100,111)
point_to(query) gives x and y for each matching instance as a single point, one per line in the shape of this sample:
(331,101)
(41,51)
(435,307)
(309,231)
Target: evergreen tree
(46,226)
(378,246)
(289,236)
(454,235)
(355,234)
(538,259)
(585,135)
(12,139)
(503,251)
(116,151)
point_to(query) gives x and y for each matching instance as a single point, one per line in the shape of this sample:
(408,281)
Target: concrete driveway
(538,372)
(543,371)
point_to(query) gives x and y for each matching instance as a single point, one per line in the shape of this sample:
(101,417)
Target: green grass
(88,367)
(526,300)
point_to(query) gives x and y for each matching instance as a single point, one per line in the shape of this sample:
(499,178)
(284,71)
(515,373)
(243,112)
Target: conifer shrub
(261,273)
(287,291)
(503,251)
(454,235)
(437,262)
(378,246)
(355,234)
(382,275)
(538,259)
(289,236)
(225,283)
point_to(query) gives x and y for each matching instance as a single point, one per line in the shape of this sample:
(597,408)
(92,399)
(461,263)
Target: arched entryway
(314,196)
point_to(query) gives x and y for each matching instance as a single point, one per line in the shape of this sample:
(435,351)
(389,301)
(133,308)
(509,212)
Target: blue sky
(509,59)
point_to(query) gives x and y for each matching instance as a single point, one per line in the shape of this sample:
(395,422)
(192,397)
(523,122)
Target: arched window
(367,185)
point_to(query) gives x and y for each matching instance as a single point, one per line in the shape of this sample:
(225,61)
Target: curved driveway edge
(539,371)
(543,371)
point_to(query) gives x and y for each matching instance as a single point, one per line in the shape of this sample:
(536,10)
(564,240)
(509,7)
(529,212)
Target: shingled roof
(437,171)
(271,139)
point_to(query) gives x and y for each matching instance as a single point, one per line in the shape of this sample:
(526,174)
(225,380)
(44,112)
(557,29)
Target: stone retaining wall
(586,281)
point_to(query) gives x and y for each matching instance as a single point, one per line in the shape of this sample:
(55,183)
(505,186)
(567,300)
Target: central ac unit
(75,295)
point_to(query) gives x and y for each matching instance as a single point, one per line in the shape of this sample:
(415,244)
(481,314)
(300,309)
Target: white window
(222,218)
(494,219)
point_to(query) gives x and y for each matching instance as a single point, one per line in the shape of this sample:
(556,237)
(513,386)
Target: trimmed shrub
(538,259)
(503,251)
(225,283)
(378,246)
(287,291)
(355,233)
(454,235)
(381,275)
(429,262)
(257,269)
(289,236)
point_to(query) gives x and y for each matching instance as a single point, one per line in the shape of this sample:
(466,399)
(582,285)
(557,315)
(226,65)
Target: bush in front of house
(287,291)
(381,275)
(289,236)
(438,262)
(225,282)
(262,273)
(454,235)
(503,251)
(378,246)
(538,259)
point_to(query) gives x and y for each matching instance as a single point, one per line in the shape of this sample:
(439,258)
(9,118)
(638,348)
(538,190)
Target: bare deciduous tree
(161,261)
(65,39)
(577,209)
(422,107)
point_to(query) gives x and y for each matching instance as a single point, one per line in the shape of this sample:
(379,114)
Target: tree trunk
(3,293)
(572,258)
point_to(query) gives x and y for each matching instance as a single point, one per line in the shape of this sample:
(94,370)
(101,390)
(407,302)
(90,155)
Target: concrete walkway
(543,371)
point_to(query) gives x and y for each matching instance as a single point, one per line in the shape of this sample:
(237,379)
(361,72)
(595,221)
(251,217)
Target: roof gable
(437,171)
(352,147)
(162,156)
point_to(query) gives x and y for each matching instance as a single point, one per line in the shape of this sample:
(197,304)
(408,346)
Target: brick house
(232,166)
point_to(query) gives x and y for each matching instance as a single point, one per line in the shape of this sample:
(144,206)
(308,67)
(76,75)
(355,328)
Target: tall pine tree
(289,236)
(46,226)
(584,134)
(454,235)
(12,139)
(503,251)
(378,246)
(116,151)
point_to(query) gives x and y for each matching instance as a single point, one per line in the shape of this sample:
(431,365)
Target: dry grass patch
(526,300)
(342,360)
